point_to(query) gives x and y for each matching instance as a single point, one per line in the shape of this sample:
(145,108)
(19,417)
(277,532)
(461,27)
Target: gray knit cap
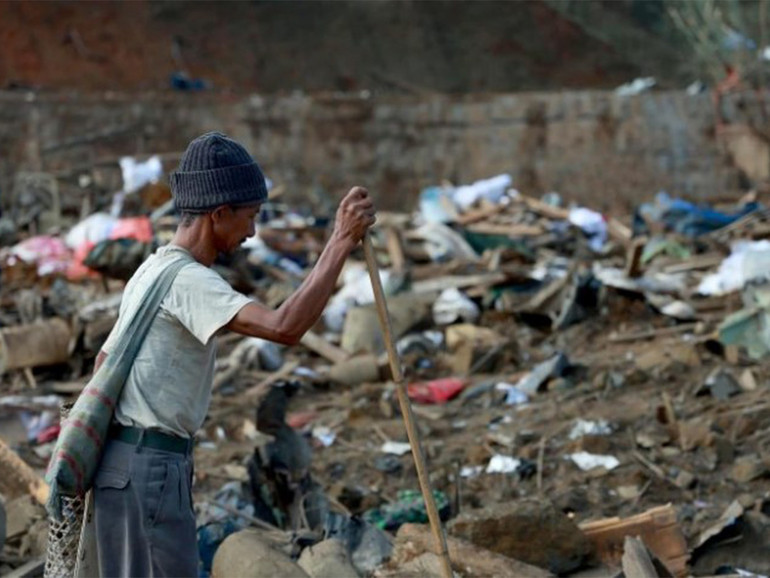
(214,171)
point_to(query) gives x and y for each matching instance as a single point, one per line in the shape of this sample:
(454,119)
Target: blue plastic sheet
(689,219)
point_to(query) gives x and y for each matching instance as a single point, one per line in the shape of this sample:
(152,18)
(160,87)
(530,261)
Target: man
(145,524)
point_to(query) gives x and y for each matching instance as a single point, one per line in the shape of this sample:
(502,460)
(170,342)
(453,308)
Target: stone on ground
(531,530)
(246,555)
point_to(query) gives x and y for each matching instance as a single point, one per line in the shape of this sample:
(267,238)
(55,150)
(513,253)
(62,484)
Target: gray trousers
(145,524)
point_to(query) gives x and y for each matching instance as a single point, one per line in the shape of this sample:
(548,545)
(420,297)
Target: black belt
(151,438)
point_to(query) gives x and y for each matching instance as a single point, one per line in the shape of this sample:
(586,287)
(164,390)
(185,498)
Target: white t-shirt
(169,387)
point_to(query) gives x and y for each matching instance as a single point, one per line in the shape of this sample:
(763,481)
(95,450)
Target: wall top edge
(31,97)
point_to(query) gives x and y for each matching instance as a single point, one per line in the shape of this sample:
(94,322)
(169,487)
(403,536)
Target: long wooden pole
(406,409)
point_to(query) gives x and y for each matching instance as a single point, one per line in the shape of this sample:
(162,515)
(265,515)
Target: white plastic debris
(324,435)
(135,176)
(261,253)
(427,343)
(396,448)
(48,401)
(138,174)
(586,461)
(531,383)
(680,310)
(453,305)
(256,351)
(748,261)
(584,427)
(636,86)
(471,471)
(513,395)
(696,88)
(500,464)
(652,282)
(437,206)
(492,189)
(592,224)
(443,243)
(749,573)
(308,372)
(356,290)
(92,229)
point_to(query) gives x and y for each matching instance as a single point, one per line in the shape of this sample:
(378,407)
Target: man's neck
(197,242)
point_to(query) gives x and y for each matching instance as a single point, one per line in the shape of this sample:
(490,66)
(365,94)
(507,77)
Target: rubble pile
(590,389)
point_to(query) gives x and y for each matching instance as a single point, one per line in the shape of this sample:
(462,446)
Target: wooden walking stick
(406,408)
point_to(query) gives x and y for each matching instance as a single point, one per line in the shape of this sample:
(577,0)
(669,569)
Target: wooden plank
(653,333)
(699,262)
(546,294)
(64,387)
(457,281)
(476,215)
(257,391)
(557,213)
(634,258)
(395,249)
(618,231)
(659,529)
(512,230)
(322,347)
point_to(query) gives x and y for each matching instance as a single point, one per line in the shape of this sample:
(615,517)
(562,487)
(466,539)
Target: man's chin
(235,249)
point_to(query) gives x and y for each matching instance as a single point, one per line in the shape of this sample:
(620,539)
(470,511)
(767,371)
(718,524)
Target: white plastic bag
(453,305)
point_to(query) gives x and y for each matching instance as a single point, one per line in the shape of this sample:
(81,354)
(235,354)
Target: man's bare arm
(298,313)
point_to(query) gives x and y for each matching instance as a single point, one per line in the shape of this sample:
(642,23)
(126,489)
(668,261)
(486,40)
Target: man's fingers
(362,206)
(358,206)
(359,200)
(358,193)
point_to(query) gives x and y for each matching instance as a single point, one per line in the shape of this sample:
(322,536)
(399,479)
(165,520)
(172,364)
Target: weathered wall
(592,147)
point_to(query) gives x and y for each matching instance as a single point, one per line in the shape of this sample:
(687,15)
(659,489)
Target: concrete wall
(592,147)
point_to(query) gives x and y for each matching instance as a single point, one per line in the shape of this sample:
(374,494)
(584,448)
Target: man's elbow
(288,337)
(282,334)
(288,329)
(271,325)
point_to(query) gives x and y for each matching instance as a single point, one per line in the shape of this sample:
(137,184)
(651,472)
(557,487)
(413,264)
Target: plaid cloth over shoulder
(79,447)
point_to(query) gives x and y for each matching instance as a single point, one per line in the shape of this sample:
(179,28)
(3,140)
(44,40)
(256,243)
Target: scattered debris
(611,363)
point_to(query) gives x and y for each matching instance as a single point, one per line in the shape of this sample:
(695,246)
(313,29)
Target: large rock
(416,543)
(246,555)
(532,531)
(327,559)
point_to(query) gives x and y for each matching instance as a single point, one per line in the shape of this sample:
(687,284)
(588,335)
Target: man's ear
(220,213)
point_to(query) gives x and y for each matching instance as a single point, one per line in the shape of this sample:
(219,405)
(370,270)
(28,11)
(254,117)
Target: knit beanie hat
(214,171)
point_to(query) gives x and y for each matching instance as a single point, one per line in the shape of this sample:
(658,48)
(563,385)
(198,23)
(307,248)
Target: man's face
(233,225)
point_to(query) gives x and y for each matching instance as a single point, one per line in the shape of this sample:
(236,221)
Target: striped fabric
(79,447)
